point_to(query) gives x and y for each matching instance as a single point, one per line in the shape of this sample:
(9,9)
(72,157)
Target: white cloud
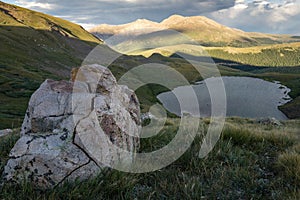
(262,16)
(87,26)
(34,4)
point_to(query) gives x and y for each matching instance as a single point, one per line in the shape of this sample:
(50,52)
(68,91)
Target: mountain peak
(200,28)
(177,19)
(143,21)
(173,19)
(176,16)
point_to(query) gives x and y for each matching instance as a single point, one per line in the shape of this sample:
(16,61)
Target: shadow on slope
(29,56)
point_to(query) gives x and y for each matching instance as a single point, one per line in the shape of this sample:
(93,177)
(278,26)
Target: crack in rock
(50,150)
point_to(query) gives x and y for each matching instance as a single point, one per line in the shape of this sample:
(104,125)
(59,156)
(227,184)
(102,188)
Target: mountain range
(199,28)
(192,35)
(36,46)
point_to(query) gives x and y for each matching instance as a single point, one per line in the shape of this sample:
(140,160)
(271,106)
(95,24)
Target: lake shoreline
(247,97)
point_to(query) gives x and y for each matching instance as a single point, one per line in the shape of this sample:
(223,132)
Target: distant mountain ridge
(202,29)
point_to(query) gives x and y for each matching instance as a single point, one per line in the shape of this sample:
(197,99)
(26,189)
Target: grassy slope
(251,161)
(279,62)
(277,55)
(256,161)
(270,56)
(176,33)
(12,15)
(34,46)
(261,50)
(210,33)
(147,94)
(291,109)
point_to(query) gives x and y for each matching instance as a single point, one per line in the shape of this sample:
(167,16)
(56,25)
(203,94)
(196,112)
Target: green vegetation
(34,47)
(288,76)
(291,109)
(250,161)
(270,56)
(16,16)
(279,55)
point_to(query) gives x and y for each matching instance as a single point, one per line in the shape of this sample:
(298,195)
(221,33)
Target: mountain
(35,46)
(192,35)
(105,31)
(268,56)
(201,29)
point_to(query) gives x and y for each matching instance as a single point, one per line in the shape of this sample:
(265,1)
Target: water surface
(246,97)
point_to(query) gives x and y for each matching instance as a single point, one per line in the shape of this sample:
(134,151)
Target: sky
(268,16)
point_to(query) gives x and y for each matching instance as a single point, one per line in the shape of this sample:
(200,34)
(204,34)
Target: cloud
(35,5)
(276,16)
(262,16)
(123,11)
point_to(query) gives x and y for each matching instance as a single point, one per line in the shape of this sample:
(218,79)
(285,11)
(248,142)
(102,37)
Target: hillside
(276,55)
(201,29)
(35,46)
(190,35)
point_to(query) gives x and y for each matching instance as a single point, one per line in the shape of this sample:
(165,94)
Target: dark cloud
(276,16)
(123,11)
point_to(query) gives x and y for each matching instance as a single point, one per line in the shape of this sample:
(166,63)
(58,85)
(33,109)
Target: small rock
(146,116)
(269,121)
(5,132)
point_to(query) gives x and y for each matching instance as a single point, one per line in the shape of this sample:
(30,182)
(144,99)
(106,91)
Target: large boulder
(62,117)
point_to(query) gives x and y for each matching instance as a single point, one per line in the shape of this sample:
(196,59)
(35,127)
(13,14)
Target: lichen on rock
(59,115)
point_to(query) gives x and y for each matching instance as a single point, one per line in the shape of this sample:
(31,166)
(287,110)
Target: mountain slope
(276,55)
(35,46)
(188,35)
(201,29)
(12,15)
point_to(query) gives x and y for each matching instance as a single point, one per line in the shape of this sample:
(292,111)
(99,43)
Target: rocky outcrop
(269,121)
(61,116)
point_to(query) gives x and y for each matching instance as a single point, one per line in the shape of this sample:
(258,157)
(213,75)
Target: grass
(19,81)
(6,144)
(16,16)
(291,109)
(271,56)
(25,65)
(288,76)
(35,47)
(276,55)
(250,161)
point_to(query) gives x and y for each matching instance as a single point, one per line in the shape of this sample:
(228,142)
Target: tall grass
(250,161)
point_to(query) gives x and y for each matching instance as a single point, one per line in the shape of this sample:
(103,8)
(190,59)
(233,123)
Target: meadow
(250,161)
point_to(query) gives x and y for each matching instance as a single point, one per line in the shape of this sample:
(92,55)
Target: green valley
(253,158)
